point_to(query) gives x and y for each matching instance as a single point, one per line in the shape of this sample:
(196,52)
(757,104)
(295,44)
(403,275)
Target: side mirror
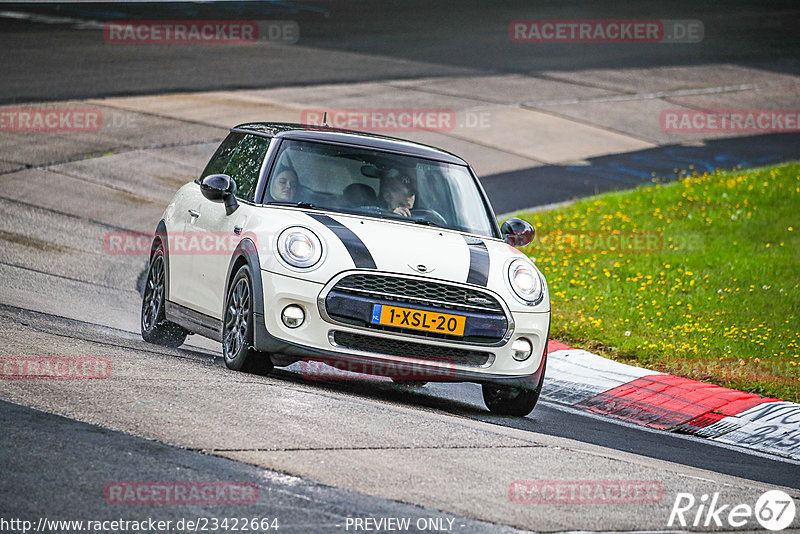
(517,232)
(220,188)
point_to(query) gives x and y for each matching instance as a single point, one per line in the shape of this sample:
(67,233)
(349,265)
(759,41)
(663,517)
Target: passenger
(398,193)
(283,187)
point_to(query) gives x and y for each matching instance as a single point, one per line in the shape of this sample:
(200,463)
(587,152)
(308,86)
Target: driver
(283,187)
(398,193)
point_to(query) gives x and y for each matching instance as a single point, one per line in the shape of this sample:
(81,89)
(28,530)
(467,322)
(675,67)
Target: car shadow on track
(556,420)
(382,389)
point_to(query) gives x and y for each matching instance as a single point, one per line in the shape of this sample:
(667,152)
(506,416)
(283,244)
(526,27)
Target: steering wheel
(429,215)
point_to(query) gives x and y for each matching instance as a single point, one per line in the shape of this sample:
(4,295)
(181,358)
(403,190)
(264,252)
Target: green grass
(706,284)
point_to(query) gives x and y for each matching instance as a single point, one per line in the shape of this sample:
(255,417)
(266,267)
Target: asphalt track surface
(311,507)
(358,41)
(448,38)
(57,467)
(551,184)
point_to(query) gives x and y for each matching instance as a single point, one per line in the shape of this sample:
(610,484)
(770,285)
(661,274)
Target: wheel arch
(246,253)
(160,237)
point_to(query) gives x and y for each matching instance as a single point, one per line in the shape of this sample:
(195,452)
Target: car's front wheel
(237,328)
(155,327)
(509,400)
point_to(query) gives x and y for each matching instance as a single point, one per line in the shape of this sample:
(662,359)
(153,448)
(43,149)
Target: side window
(219,160)
(245,164)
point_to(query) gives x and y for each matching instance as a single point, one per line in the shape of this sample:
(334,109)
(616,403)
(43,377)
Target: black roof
(349,137)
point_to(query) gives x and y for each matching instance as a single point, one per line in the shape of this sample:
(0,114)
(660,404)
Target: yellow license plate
(444,323)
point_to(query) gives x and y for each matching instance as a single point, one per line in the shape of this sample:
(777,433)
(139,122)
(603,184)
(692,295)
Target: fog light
(521,349)
(293,316)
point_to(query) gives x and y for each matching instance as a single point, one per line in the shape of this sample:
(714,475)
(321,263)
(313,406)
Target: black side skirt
(193,321)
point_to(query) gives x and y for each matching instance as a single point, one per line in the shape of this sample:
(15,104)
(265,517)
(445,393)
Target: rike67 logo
(774,510)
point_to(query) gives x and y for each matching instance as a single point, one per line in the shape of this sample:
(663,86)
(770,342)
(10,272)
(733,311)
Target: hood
(420,250)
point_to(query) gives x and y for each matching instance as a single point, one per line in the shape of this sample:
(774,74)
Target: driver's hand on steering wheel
(402,210)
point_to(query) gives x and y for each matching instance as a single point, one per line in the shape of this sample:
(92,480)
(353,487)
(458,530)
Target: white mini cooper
(371,254)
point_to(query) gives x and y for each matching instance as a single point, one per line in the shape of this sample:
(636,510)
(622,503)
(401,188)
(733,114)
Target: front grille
(420,292)
(394,347)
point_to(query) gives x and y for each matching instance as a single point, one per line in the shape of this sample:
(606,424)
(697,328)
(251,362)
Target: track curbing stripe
(591,382)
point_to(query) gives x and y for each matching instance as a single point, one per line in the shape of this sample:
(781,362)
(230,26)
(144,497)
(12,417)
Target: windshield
(378,184)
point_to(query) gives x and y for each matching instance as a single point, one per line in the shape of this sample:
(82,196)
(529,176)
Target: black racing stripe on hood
(355,247)
(478,261)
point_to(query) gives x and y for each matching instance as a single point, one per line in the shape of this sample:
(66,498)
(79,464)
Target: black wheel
(508,400)
(155,327)
(237,328)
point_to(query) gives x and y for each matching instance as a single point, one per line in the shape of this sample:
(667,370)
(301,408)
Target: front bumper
(320,339)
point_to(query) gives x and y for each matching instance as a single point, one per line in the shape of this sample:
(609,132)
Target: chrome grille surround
(427,292)
(367,283)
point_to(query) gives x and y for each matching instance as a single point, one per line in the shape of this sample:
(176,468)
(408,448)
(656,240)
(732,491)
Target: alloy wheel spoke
(153,294)
(237,318)
(230,342)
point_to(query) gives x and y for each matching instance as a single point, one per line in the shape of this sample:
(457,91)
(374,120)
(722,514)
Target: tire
(153,321)
(509,400)
(237,328)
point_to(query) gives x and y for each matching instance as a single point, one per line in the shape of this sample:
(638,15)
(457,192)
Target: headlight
(525,281)
(299,247)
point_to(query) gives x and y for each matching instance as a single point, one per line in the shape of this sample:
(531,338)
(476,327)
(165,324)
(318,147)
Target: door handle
(194,213)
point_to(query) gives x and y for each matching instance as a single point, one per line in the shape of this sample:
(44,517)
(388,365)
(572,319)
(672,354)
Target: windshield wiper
(426,222)
(292,204)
